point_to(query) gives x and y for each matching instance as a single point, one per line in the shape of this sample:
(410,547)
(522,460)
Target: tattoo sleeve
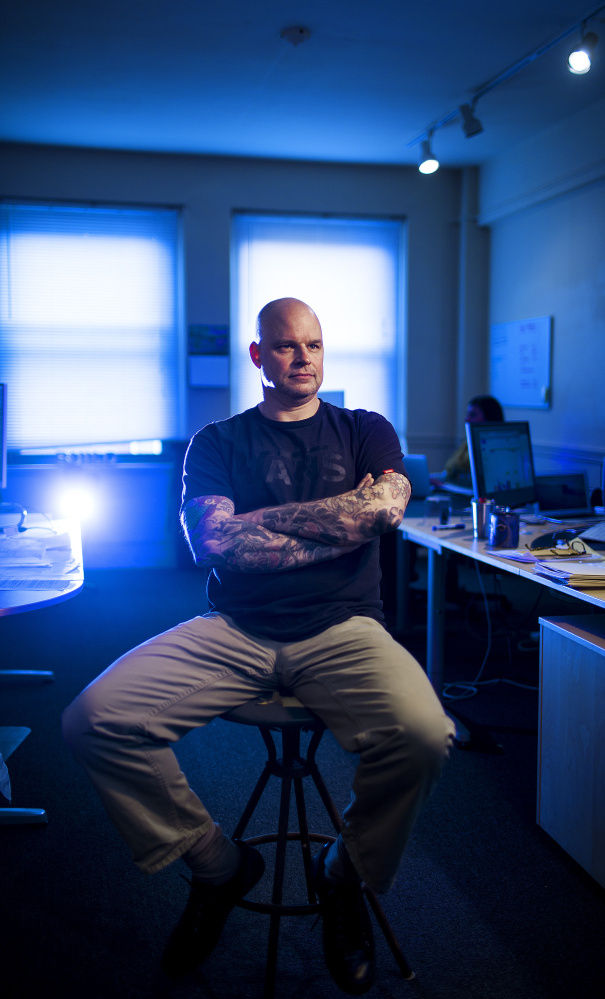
(354,517)
(218,538)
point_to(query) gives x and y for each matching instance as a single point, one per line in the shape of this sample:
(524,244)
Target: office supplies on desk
(482,511)
(575,574)
(437,508)
(551,538)
(594,532)
(503,528)
(584,554)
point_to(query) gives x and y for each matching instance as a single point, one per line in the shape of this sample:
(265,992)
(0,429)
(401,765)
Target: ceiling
(194,76)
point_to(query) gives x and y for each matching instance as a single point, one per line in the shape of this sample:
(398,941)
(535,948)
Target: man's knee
(418,745)
(81,722)
(436,740)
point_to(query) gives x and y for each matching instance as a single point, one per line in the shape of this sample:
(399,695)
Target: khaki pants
(367,689)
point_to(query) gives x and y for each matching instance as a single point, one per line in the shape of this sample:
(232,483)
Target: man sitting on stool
(286,503)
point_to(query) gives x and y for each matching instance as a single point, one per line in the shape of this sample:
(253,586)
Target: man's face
(290,354)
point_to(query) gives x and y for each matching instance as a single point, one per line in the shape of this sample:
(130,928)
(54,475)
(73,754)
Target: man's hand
(218,538)
(373,508)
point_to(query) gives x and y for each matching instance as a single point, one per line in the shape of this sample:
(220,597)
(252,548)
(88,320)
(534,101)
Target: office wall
(210,188)
(446,274)
(545,203)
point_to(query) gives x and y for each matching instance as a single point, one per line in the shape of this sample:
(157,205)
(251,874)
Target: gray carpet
(486,906)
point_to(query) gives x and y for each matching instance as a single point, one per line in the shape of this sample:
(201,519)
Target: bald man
(285,503)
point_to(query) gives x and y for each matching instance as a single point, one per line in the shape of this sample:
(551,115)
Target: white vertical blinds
(90,327)
(350,271)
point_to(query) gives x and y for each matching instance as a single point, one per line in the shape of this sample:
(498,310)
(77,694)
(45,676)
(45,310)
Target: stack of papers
(39,559)
(21,551)
(578,574)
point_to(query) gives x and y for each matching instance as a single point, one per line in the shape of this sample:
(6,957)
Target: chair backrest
(417,471)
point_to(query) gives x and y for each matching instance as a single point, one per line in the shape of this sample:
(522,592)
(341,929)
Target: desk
(30,588)
(419,530)
(571,758)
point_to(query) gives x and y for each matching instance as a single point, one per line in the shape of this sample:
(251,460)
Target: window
(90,329)
(350,272)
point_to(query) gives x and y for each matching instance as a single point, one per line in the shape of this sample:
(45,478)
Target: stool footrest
(280,908)
(291,768)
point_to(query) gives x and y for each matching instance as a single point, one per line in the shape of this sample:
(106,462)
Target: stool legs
(291,769)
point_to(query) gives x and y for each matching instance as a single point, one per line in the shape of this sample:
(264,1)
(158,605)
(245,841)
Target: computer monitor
(2,436)
(502,464)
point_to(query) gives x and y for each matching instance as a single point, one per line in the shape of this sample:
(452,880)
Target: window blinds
(90,326)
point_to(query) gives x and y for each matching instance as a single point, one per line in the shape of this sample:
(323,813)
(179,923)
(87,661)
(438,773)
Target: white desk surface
(66,569)
(66,572)
(419,529)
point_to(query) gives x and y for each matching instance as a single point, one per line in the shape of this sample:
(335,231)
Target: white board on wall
(520,362)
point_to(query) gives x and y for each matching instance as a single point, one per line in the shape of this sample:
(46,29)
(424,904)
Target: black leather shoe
(347,931)
(199,928)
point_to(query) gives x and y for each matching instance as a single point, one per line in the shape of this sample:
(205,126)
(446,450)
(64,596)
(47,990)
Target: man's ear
(255,354)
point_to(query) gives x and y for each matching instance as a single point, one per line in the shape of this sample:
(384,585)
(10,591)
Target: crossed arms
(274,539)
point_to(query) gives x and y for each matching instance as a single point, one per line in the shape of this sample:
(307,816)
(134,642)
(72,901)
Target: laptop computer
(564,495)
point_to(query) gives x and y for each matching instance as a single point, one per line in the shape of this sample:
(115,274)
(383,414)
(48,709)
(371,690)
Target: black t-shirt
(257,462)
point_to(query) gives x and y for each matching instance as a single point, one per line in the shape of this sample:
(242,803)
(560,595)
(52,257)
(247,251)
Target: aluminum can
(503,528)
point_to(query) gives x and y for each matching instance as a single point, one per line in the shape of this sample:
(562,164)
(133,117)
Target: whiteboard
(520,362)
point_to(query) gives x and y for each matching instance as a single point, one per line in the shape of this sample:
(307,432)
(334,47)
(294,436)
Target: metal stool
(286,714)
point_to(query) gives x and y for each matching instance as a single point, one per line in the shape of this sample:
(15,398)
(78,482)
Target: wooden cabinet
(571,742)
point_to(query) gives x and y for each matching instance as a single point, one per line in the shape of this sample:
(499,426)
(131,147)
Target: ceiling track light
(470,124)
(579,59)
(427,162)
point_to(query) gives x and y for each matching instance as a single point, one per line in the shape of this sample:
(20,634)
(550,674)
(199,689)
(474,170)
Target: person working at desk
(481,409)
(286,503)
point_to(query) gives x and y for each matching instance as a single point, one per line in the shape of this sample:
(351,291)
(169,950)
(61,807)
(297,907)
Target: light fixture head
(427,162)
(579,59)
(470,124)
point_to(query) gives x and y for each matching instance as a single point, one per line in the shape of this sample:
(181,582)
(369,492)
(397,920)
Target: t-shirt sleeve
(380,449)
(205,471)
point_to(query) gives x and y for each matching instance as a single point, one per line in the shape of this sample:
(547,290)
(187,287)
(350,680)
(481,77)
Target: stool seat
(284,713)
(275,712)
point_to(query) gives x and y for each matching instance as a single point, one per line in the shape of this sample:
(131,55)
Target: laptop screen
(566,491)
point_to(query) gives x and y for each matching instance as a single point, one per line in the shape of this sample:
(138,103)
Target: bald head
(280,313)
(289,352)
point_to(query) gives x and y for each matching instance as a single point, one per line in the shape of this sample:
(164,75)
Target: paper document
(596,532)
(577,574)
(22,551)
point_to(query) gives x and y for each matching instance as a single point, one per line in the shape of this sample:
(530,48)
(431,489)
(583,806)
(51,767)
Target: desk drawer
(571,746)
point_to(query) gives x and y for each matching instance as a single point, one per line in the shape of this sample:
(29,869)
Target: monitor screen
(2,436)
(502,464)
(563,491)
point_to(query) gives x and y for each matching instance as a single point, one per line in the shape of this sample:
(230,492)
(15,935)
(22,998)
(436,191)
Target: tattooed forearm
(372,509)
(217,538)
